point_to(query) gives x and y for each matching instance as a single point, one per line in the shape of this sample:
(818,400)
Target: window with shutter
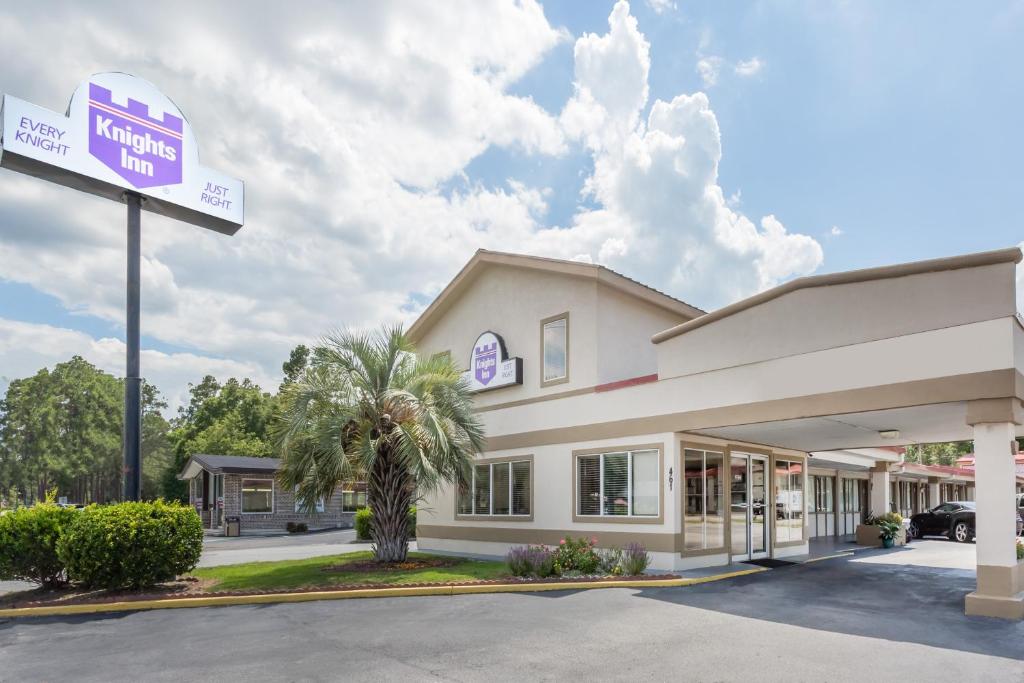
(618,484)
(497,489)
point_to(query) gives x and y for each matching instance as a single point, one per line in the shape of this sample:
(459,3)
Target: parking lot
(882,615)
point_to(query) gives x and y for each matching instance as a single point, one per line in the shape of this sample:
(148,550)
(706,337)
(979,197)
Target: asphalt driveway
(875,616)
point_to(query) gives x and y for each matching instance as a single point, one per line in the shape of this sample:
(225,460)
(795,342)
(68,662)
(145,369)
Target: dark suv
(954,520)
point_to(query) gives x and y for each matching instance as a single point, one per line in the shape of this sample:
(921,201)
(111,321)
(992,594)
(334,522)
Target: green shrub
(611,561)
(1020,550)
(530,560)
(893,517)
(131,545)
(364,523)
(28,543)
(576,556)
(634,560)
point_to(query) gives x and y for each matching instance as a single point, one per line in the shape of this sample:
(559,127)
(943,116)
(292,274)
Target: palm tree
(369,407)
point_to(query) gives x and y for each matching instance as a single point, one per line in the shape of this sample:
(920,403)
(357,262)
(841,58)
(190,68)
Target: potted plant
(868,533)
(888,530)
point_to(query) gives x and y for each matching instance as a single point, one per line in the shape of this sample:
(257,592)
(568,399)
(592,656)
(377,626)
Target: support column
(1000,590)
(934,497)
(880,489)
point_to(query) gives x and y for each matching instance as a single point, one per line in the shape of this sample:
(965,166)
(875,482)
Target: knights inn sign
(121,134)
(490,367)
(123,139)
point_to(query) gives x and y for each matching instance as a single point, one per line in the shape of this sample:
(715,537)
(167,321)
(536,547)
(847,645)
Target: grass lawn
(330,571)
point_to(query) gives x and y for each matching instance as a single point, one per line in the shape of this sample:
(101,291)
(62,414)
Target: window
(497,489)
(789,501)
(555,350)
(353,496)
(822,493)
(300,508)
(257,496)
(703,500)
(620,484)
(851,495)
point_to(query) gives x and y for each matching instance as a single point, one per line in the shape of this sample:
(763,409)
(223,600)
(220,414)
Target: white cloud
(835,231)
(749,67)
(708,68)
(657,184)
(27,347)
(661,6)
(347,121)
(342,119)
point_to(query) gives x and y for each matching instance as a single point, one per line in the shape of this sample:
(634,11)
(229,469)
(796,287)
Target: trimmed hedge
(131,545)
(28,543)
(364,523)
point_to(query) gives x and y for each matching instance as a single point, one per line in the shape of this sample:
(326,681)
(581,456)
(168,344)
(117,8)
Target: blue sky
(381,145)
(900,123)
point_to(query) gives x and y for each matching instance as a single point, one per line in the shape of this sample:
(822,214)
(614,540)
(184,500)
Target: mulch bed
(191,587)
(408,565)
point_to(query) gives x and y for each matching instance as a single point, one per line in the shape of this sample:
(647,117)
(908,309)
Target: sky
(711,150)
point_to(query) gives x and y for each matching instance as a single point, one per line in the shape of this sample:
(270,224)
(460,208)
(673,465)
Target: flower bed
(577,558)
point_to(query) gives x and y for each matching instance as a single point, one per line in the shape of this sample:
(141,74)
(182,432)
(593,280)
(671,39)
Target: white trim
(241,495)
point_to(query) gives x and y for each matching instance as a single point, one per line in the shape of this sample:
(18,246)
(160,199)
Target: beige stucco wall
(552,486)
(838,315)
(609,331)
(511,302)
(1018,353)
(552,506)
(685,402)
(624,329)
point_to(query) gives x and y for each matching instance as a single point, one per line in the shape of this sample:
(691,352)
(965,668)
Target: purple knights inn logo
(490,367)
(143,150)
(485,362)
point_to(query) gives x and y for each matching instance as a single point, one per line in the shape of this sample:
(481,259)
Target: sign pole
(133,379)
(122,139)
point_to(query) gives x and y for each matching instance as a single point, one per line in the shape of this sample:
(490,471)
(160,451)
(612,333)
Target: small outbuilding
(245,487)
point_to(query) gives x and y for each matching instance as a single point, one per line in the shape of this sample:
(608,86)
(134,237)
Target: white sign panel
(121,133)
(490,367)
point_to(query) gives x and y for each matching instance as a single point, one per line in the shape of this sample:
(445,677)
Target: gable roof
(484,258)
(228,464)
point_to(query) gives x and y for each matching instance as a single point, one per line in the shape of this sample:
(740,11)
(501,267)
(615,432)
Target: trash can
(232,526)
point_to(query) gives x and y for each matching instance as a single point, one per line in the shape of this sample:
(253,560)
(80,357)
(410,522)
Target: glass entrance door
(748,506)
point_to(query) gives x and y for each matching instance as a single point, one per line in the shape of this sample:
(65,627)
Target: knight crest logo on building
(485,362)
(490,366)
(144,150)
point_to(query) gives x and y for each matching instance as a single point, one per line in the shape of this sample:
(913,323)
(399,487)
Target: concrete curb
(847,553)
(270,598)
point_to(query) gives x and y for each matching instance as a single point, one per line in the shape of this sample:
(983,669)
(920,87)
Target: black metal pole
(133,378)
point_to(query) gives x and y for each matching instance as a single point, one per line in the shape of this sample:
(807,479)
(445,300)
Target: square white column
(934,497)
(1000,577)
(994,478)
(880,490)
